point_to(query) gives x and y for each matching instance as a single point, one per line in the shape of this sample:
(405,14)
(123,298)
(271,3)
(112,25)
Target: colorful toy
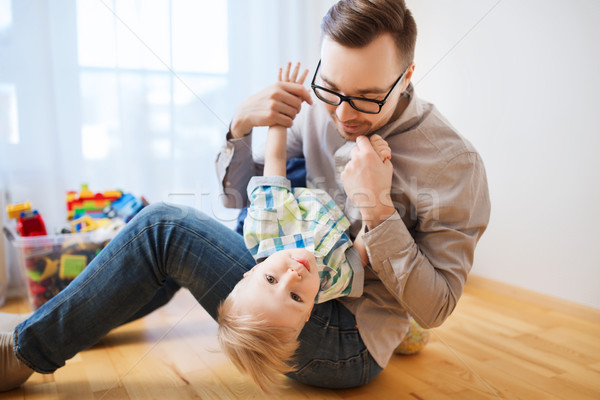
(88,203)
(52,262)
(126,207)
(87,223)
(71,265)
(29,223)
(51,268)
(14,210)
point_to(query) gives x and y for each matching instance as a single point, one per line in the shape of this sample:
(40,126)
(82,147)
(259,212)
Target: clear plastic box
(49,263)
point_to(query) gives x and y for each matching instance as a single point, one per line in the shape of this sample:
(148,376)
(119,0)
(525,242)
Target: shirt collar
(410,117)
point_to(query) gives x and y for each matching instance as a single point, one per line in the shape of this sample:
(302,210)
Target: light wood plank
(501,342)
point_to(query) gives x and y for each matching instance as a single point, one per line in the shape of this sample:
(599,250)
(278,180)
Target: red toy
(31,223)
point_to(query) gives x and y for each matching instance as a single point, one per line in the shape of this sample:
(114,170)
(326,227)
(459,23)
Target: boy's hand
(277,104)
(294,78)
(381,147)
(275,146)
(367,182)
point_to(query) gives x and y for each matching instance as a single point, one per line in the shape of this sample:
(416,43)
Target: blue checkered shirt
(283,218)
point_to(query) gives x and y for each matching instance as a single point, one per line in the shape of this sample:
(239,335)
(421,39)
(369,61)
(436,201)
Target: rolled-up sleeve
(427,271)
(235,166)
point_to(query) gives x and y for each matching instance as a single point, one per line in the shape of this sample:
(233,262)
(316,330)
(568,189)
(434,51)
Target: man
(423,214)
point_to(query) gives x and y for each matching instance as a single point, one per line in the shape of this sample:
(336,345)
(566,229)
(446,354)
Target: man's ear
(408,77)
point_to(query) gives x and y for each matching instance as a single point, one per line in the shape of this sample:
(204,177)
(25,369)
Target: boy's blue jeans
(162,249)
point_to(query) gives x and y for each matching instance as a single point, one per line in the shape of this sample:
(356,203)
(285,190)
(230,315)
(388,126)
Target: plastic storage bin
(49,263)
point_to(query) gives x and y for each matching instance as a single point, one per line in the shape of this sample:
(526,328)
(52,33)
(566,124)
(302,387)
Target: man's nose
(345,112)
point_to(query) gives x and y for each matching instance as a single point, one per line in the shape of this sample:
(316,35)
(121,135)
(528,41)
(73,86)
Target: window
(135,95)
(153,79)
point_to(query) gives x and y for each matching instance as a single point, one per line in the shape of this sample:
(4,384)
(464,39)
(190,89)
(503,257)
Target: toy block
(15,210)
(71,265)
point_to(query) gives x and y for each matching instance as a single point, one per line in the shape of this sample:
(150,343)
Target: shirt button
(228,150)
(227,183)
(340,169)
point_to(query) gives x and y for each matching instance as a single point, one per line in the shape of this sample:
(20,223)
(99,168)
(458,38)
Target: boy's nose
(294,273)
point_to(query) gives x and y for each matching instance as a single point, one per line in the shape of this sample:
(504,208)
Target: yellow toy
(15,210)
(87,224)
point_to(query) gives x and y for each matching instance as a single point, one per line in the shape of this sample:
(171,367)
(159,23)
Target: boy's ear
(309,312)
(250,270)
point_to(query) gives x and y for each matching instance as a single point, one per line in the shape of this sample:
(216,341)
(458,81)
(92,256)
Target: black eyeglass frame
(349,99)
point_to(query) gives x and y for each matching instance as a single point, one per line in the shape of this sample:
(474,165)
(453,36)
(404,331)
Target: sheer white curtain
(134,95)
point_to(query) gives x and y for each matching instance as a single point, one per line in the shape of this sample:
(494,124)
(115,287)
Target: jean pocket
(340,374)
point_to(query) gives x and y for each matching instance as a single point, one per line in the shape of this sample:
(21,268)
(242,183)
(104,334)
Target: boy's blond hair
(255,346)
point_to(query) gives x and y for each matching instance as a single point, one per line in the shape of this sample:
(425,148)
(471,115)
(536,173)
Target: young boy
(308,258)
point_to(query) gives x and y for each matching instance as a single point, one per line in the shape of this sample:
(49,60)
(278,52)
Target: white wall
(521,80)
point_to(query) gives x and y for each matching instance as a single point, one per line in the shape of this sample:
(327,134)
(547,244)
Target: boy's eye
(270,279)
(295,297)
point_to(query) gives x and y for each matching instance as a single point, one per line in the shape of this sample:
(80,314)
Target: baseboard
(569,307)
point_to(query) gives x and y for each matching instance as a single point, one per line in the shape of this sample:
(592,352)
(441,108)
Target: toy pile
(51,262)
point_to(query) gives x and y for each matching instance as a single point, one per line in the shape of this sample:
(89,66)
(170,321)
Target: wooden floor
(500,343)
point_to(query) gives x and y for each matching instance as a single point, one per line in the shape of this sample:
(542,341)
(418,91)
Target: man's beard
(362,128)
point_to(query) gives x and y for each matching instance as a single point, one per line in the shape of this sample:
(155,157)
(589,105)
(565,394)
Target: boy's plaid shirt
(283,218)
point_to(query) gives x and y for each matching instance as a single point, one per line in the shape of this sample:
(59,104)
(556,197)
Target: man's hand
(367,182)
(277,104)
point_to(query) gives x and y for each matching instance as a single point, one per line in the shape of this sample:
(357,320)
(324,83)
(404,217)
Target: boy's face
(281,289)
(367,72)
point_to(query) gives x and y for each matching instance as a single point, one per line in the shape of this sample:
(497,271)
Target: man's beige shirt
(419,257)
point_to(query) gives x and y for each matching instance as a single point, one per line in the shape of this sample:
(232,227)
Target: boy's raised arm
(275,149)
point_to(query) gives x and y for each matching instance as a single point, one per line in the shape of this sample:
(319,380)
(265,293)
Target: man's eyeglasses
(367,106)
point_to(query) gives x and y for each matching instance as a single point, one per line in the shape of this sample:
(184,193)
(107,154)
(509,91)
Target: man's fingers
(297,90)
(289,100)
(283,120)
(286,110)
(363,143)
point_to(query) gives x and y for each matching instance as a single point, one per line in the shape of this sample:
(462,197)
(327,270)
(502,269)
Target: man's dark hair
(356,23)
